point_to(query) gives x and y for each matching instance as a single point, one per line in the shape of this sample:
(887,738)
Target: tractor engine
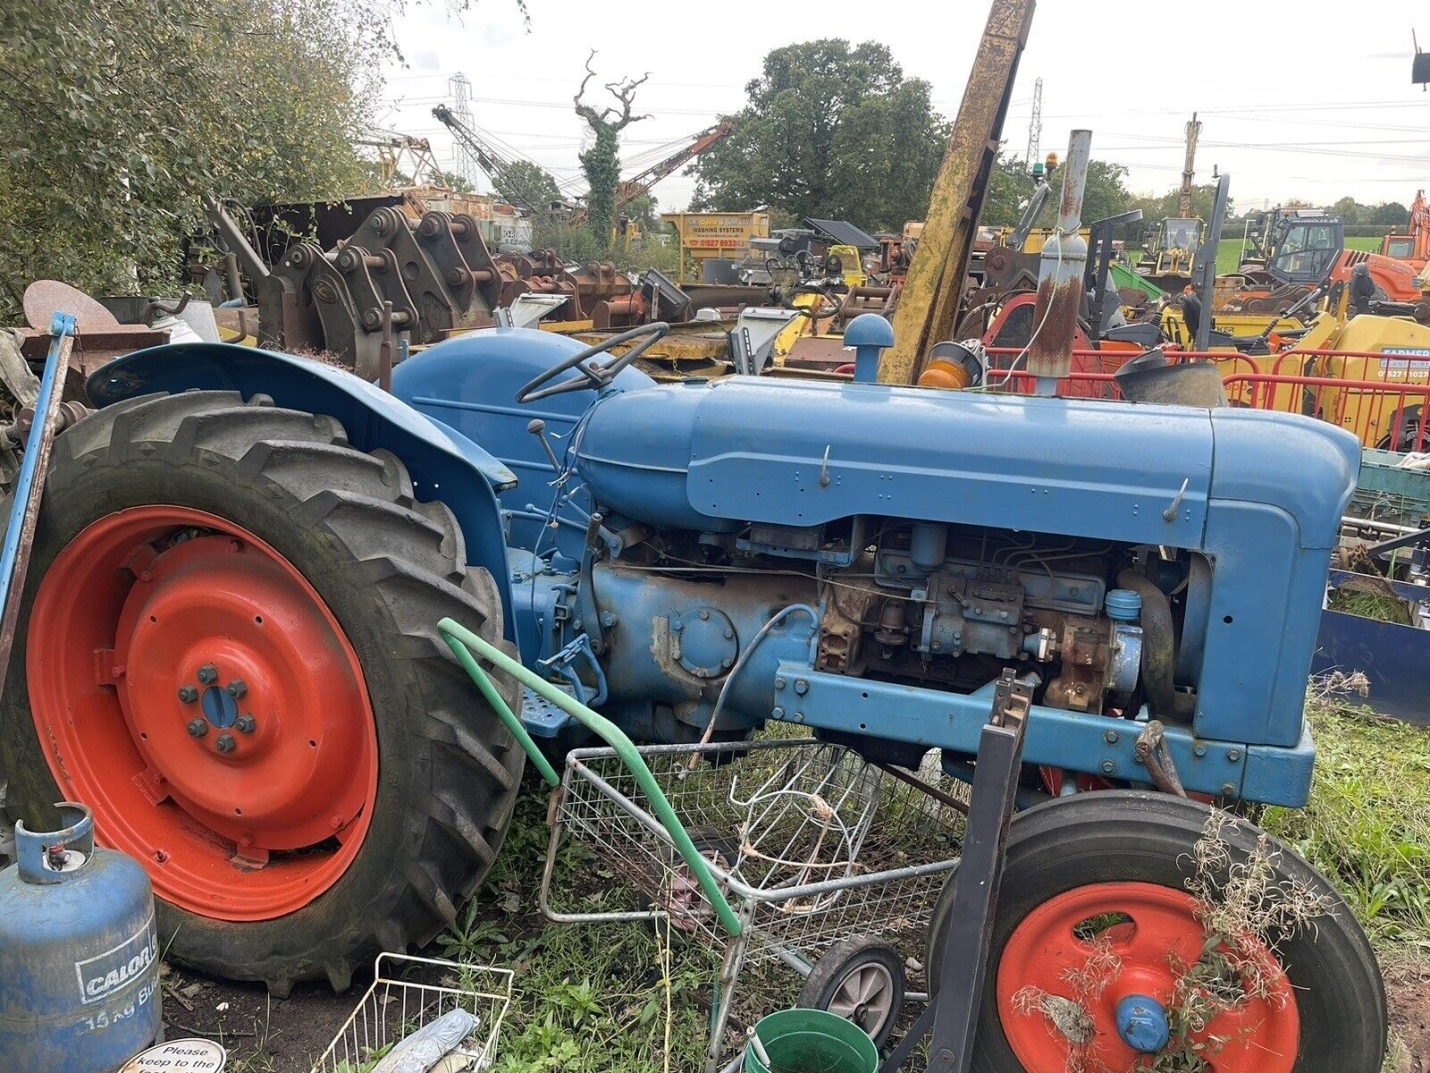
(866,560)
(949,607)
(932,605)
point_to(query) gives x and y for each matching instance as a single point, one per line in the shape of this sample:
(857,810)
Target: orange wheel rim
(191,687)
(1071,961)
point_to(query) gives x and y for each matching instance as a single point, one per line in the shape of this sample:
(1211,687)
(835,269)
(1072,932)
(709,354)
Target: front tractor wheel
(228,650)
(1131,934)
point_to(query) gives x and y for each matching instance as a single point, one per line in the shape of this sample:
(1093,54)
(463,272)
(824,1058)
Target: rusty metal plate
(46,297)
(818,352)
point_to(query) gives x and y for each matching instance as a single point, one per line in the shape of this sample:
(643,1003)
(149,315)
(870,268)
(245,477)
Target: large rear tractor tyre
(1102,956)
(228,648)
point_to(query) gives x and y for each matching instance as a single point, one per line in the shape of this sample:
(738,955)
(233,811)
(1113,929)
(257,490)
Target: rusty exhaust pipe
(1060,276)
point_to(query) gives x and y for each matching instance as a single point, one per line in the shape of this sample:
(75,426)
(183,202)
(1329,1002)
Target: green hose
(463,642)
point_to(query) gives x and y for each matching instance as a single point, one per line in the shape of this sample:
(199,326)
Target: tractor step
(541,718)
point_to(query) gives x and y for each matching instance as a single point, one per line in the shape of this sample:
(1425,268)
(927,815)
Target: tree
(644,210)
(1350,209)
(130,112)
(602,162)
(1390,214)
(454,181)
(1105,194)
(527,183)
(830,130)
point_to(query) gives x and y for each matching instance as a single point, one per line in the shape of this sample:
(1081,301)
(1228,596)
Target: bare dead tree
(601,163)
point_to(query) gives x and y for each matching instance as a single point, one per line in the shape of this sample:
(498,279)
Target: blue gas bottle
(79,953)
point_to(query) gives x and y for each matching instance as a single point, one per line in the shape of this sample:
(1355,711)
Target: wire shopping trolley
(799,853)
(398,1004)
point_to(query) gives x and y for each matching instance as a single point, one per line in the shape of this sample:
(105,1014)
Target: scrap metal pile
(396,281)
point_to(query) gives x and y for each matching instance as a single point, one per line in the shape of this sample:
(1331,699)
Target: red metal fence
(1378,396)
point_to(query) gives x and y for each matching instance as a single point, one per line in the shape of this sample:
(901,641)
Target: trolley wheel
(861,980)
(1107,872)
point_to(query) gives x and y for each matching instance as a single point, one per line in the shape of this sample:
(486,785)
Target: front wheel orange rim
(190,686)
(1071,962)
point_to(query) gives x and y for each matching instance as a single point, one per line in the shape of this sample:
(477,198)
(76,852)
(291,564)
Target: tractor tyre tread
(389,568)
(1125,835)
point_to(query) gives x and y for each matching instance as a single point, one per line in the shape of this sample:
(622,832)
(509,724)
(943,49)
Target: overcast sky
(1296,100)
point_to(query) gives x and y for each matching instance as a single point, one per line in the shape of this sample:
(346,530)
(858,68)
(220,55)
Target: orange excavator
(1310,249)
(1413,247)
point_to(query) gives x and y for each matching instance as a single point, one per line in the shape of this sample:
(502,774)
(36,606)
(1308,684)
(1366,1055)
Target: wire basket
(395,1006)
(809,844)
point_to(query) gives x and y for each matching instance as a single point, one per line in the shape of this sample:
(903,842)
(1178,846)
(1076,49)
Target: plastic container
(812,1041)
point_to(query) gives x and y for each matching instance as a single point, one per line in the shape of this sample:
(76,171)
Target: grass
(593,997)
(620,997)
(588,998)
(1367,825)
(1372,605)
(617,997)
(1228,255)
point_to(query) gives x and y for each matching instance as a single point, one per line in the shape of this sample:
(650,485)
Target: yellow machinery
(1171,252)
(1381,417)
(706,236)
(1240,326)
(1385,351)
(1033,244)
(851,265)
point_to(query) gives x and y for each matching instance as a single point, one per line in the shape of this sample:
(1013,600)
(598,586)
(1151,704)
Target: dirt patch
(262,1034)
(1407,986)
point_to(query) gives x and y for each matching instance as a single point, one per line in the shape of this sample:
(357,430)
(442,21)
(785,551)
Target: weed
(1372,605)
(588,998)
(1242,905)
(1367,824)
(594,997)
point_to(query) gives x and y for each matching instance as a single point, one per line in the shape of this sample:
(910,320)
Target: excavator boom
(630,189)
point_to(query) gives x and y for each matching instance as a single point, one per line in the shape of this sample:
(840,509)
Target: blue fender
(442,462)
(470,382)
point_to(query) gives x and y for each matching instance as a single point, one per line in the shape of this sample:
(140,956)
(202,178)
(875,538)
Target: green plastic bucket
(812,1041)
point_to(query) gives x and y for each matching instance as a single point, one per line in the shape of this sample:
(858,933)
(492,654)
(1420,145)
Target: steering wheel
(596,375)
(829,306)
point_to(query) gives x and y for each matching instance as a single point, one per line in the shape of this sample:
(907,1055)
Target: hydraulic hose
(1159,650)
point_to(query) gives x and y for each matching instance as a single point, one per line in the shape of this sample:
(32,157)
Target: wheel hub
(219,707)
(230,612)
(1142,1024)
(1092,978)
(865,997)
(217,718)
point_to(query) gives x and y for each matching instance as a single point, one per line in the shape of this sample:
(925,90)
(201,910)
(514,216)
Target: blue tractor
(228,646)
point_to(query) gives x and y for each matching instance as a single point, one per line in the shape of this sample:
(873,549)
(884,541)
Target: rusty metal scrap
(1060,281)
(1152,752)
(933,287)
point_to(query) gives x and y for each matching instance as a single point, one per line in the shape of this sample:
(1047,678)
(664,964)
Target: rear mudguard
(442,462)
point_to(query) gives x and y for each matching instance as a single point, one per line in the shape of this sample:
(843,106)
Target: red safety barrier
(1379,397)
(1380,414)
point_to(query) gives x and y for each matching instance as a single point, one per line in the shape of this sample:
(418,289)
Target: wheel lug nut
(237,688)
(198,728)
(245,724)
(208,674)
(188,694)
(225,743)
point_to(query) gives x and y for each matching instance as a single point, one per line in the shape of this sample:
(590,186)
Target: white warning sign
(179,1056)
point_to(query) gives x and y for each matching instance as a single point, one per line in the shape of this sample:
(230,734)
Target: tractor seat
(1142,333)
